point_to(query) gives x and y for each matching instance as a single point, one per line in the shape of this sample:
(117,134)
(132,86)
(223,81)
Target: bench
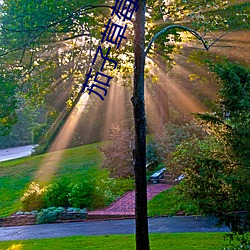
(155,177)
(182,176)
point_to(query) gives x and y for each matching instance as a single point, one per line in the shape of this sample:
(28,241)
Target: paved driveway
(14,153)
(156,225)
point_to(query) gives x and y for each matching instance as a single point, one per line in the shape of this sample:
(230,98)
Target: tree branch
(166,29)
(74,13)
(44,28)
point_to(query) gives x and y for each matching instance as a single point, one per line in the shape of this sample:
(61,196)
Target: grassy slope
(173,241)
(169,203)
(16,175)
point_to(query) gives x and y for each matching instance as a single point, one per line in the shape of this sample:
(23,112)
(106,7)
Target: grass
(170,241)
(169,203)
(15,175)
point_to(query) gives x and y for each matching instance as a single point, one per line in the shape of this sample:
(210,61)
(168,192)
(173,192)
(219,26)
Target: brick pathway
(124,207)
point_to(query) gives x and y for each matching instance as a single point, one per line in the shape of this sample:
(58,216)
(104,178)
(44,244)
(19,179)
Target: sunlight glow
(52,159)
(115,110)
(16,247)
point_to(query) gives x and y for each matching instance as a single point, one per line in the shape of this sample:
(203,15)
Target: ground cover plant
(170,241)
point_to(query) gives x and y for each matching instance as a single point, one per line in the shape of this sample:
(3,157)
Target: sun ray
(50,163)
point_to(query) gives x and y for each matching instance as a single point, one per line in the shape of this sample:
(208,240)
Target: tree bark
(139,151)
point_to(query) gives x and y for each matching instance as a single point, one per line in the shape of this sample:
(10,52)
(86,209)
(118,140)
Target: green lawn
(171,241)
(16,175)
(169,202)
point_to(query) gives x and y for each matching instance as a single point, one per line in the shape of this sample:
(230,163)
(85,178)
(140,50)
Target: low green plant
(32,199)
(123,185)
(242,241)
(81,194)
(108,190)
(73,209)
(102,194)
(48,215)
(57,193)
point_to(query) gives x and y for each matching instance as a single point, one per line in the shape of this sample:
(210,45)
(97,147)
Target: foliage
(8,105)
(22,132)
(48,215)
(32,199)
(33,47)
(81,194)
(216,168)
(57,193)
(108,190)
(61,193)
(166,141)
(205,175)
(73,209)
(243,242)
(92,192)
(103,193)
(38,131)
(118,156)
(65,193)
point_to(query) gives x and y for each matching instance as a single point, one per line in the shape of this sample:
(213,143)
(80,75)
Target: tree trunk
(139,152)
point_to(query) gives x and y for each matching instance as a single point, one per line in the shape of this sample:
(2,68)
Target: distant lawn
(170,241)
(15,175)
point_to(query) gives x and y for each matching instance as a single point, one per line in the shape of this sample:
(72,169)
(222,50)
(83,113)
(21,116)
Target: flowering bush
(33,197)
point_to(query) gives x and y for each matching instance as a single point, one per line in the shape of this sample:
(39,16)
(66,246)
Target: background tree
(8,105)
(216,168)
(118,155)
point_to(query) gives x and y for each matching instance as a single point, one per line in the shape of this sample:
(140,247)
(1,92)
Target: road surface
(156,225)
(17,152)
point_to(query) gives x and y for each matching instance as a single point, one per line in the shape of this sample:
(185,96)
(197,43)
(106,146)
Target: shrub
(57,193)
(48,215)
(123,185)
(81,194)
(216,168)
(33,197)
(152,155)
(109,189)
(243,242)
(38,131)
(103,194)
(73,209)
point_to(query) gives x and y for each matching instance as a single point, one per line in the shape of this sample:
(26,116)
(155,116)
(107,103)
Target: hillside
(15,175)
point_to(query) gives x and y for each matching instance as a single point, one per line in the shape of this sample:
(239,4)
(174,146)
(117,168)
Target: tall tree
(139,151)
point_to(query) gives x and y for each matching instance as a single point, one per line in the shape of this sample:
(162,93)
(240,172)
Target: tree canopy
(52,42)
